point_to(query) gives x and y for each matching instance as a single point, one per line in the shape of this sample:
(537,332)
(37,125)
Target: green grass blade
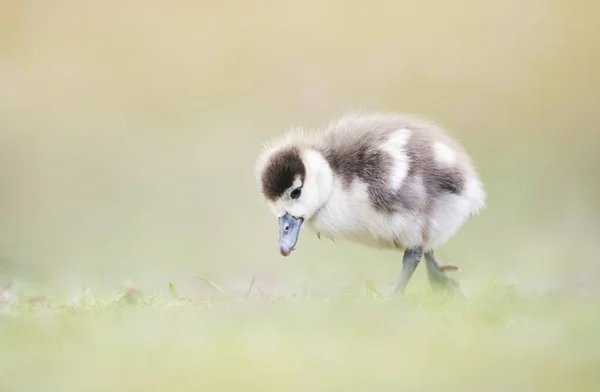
(211,283)
(250,288)
(173,291)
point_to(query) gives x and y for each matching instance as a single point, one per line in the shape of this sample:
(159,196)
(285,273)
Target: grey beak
(289,229)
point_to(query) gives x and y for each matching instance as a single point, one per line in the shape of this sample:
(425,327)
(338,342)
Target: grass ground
(496,340)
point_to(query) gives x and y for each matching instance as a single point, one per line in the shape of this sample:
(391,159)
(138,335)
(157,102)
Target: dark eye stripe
(296,193)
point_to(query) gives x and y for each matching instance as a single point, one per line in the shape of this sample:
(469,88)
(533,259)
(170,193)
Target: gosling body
(389,181)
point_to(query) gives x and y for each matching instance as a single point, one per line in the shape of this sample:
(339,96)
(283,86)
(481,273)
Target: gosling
(389,181)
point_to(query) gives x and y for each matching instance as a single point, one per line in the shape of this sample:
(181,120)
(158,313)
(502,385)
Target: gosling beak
(289,229)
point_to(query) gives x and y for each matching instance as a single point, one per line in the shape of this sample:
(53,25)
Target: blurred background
(129,132)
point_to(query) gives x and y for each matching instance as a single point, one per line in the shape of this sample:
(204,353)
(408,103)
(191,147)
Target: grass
(496,340)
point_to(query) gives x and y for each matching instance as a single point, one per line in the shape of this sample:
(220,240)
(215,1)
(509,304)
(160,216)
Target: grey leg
(437,278)
(409,264)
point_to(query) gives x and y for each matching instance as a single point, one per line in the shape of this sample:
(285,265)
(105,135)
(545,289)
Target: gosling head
(295,181)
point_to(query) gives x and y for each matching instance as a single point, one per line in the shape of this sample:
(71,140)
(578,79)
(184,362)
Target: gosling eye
(296,193)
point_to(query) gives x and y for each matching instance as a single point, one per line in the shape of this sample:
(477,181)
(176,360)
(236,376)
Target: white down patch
(395,147)
(452,211)
(349,215)
(444,155)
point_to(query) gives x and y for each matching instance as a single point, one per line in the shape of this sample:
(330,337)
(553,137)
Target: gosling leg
(438,279)
(410,260)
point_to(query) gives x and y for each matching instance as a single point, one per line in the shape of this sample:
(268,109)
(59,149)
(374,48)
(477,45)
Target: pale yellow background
(129,130)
